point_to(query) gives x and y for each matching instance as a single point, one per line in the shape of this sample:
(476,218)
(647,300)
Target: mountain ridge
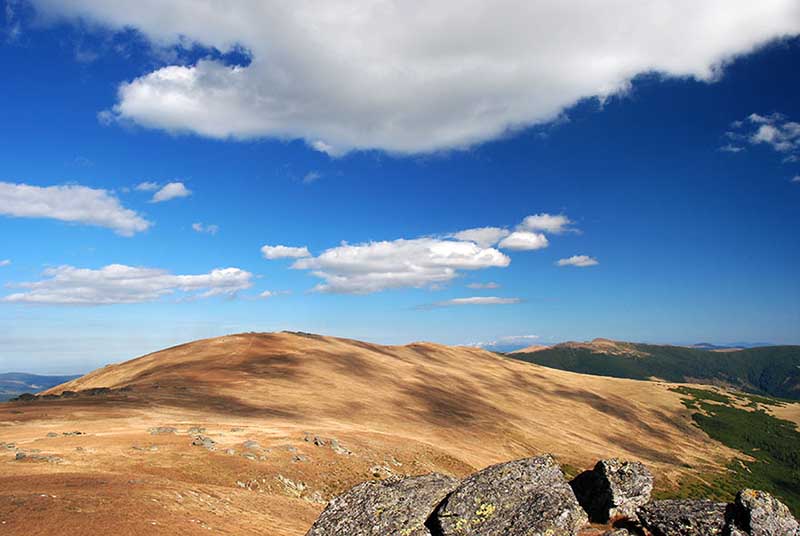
(258,430)
(767,370)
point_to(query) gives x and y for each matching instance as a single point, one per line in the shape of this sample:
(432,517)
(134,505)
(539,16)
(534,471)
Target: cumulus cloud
(71,203)
(547,223)
(378,75)
(377,266)
(477,300)
(524,241)
(581,261)
(773,130)
(483,236)
(203,228)
(117,283)
(489,285)
(528,236)
(5,262)
(796,178)
(284,252)
(425,262)
(169,191)
(147,186)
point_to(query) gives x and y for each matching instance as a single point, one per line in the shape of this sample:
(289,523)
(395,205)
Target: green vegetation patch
(773,371)
(702,394)
(774,445)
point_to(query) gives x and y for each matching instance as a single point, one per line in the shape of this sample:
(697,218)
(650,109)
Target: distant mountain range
(768,370)
(13,384)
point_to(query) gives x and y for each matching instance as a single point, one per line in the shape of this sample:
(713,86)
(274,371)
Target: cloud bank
(412,77)
(117,283)
(71,203)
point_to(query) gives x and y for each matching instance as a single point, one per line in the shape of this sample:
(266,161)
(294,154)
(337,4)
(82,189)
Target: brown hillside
(391,409)
(530,349)
(606,346)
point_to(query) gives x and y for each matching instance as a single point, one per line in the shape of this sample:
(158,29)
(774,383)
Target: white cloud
(267,294)
(117,283)
(773,130)
(477,300)
(483,236)
(5,262)
(312,176)
(796,178)
(524,241)
(547,223)
(171,190)
(147,186)
(581,261)
(489,285)
(417,263)
(203,228)
(408,78)
(71,203)
(284,252)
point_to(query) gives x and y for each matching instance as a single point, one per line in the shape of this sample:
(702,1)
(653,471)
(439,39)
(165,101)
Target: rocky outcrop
(761,514)
(530,497)
(205,442)
(686,517)
(520,498)
(613,489)
(385,507)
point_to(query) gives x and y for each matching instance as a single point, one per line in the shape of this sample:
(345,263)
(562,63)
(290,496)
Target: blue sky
(668,183)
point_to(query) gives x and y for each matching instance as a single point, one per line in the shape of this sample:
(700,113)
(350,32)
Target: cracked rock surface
(528,497)
(396,507)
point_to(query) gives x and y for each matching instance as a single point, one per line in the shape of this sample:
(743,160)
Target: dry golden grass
(400,409)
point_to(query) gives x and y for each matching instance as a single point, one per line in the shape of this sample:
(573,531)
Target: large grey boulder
(528,497)
(613,489)
(385,507)
(686,517)
(761,514)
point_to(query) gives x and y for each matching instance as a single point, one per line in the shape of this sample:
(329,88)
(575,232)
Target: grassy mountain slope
(772,370)
(137,467)
(769,445)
